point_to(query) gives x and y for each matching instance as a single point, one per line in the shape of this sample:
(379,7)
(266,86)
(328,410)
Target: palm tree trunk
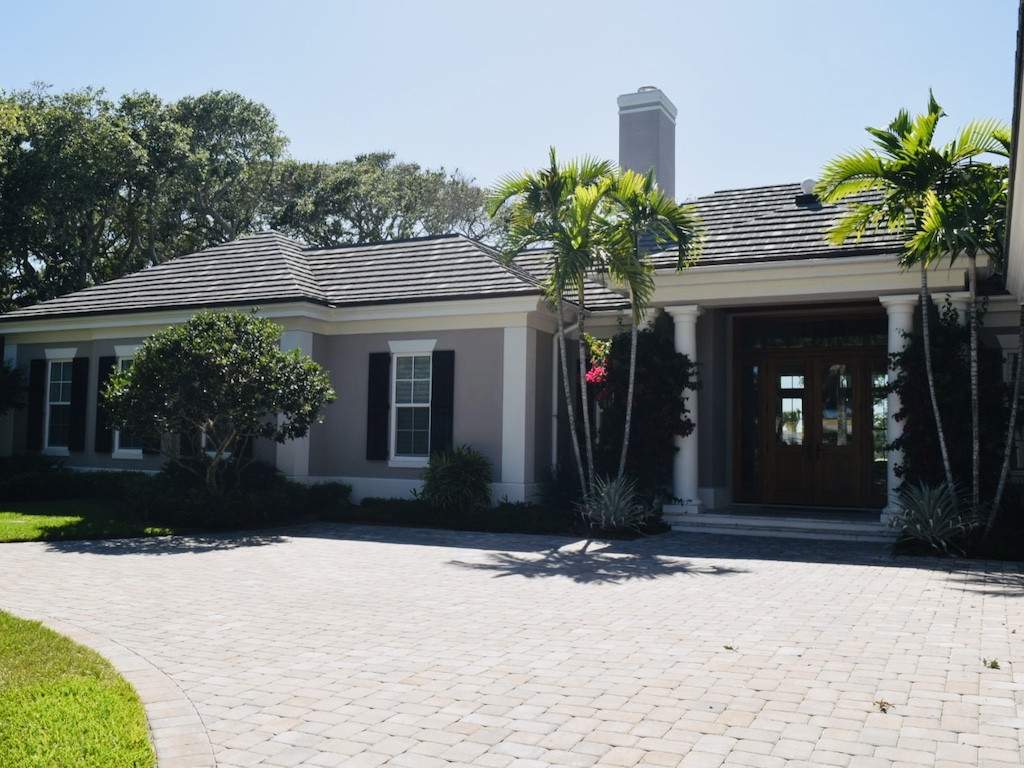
(570,410)
(629,393)
(927,340)
(972,272)
(584,397)
(1011,428)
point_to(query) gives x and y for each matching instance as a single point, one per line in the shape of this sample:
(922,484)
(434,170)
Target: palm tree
(902,170)
(642,211)
(560,205)
(966,216)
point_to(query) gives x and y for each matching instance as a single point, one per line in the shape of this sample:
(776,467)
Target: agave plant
(614,505)
(932,515)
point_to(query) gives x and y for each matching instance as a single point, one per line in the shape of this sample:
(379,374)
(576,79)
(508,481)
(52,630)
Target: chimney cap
(645,98)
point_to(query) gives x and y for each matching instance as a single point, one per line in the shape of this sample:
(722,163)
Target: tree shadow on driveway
(167,545)
(592,567)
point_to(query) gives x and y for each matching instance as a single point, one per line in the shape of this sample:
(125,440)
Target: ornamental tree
(217,382)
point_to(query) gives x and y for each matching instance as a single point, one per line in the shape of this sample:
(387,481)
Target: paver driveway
(360,646)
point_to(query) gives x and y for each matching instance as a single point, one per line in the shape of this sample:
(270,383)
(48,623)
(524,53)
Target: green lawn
(73,519)
(64,705)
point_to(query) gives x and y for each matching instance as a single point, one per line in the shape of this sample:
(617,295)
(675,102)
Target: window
(58,404)
(789,410)
(411,398)
(126,445)
(837,407)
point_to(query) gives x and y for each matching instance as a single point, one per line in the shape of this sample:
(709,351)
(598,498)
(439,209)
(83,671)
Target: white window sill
(134,454)
(56,450)
(409,462)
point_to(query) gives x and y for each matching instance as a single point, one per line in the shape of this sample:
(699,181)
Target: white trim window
(411,372)
(57,429)
(411,407)
(125,445)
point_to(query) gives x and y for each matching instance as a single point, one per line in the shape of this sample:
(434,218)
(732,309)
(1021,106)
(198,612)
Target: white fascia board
(799,280)
(143,323)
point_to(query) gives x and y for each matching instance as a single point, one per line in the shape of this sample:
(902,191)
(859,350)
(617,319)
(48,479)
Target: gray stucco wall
(94,350)
(338,446)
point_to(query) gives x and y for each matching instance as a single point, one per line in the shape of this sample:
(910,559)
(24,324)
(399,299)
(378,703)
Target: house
(434,341)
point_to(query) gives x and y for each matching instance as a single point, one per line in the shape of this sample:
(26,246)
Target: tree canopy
(92,188)
(218,381)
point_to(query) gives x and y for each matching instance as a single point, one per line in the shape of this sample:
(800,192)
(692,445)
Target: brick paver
(358,646)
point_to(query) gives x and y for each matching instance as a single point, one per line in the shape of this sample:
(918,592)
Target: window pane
(837,406)
(421,418)
(403,368)
(60,420)
(403,391)
(403,417)
(421,443)
(422,368)
(421,392)
(789,420)
(403,442)
(54,391)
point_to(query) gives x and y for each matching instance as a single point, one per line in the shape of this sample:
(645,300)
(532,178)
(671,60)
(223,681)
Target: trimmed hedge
(173,497)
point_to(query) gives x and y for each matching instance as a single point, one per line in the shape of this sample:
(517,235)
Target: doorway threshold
(826,524)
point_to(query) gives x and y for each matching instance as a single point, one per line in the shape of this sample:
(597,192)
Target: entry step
(780,526)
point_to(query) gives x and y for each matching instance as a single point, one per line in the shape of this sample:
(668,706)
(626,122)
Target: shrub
(328,498)
(615,505)
(934,516)
(218,382)
(922,461)
(457,482)
(660,412)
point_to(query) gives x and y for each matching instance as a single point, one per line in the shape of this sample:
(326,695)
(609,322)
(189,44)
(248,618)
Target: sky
(767,91)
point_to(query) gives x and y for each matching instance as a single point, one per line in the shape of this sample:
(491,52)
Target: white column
(7,421)
(685,463)
(293,456)
(901,321)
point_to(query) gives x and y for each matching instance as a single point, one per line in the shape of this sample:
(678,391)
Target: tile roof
(271,268)
(742,226)
(776,223)
(598,296)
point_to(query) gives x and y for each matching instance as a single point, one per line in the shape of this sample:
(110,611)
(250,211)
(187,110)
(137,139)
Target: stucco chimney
(647,135)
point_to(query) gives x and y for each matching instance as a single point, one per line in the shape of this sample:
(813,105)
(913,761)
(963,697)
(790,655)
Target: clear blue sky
(767,91)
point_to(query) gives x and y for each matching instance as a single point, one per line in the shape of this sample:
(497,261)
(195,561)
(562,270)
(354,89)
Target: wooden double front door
(822,425)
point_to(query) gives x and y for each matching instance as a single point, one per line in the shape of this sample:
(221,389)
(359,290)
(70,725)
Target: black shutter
(104,441)
(36,405)
(79,395)
(378,406)
(442,400)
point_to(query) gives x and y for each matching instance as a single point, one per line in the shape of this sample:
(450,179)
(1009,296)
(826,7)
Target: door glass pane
(879,417)
(789,409)
(837,406)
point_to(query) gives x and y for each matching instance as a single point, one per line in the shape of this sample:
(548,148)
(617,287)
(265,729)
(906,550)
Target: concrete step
(783,527)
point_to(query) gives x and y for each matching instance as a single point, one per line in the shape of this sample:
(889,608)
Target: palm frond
(851,174)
